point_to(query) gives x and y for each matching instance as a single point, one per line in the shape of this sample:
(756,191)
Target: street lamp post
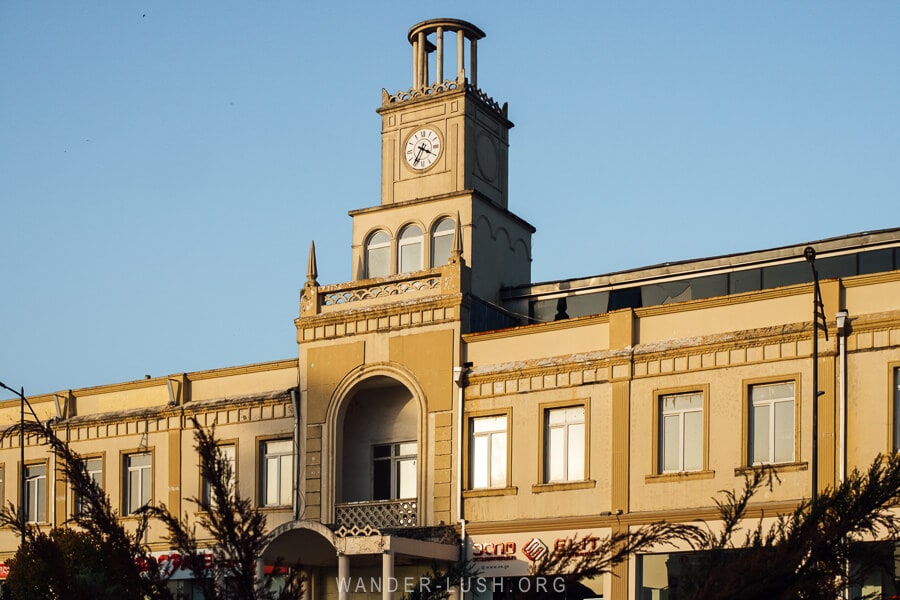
(22,402)
(818,322)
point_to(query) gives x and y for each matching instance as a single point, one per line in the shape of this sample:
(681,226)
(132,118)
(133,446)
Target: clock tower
(473,129)
(444,166)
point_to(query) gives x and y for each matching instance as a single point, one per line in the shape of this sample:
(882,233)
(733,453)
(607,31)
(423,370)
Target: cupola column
(460,56)
(439,63)
(428,37)
(473,55)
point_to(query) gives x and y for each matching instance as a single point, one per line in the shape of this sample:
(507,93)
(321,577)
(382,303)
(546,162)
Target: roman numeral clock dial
(422,148)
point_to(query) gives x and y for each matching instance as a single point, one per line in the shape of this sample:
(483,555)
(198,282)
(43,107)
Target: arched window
(378,255)
(409,249)
(441,242)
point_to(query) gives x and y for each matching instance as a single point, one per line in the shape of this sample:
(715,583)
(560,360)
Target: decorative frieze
(677,356)
(120,424)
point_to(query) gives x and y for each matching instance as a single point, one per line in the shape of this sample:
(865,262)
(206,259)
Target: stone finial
(457,248)
(312,271)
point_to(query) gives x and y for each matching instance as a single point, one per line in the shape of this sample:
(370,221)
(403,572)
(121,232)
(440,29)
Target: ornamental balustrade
(377,514)
(365,293)
(386,288)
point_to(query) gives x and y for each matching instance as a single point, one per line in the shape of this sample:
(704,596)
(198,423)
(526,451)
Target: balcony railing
(365,293)
(378,514)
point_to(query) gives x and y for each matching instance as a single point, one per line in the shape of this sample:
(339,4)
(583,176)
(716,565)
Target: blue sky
(165,164)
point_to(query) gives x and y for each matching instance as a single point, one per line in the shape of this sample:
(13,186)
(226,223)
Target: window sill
(275,508)
(777,467)
(680,476)
(485,492)
(558,486)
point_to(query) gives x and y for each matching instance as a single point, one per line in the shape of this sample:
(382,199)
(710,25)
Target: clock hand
(419,155)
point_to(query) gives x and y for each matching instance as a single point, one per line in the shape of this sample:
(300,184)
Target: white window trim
(680,413)
(895,406)
(95,474)
(371,245)
(231,456)
(132,471)
(439,236)
(410,240)
(284,496)
(33,498)
(491,437)
(771,403)
(566,426)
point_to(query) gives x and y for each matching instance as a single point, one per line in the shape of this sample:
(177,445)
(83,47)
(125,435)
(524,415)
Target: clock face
(422,148)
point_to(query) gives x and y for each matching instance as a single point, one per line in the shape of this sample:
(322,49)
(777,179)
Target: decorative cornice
(139,384)
(416,312)
(439,88)
(413,93)
(754,346)
(274,365)
(537,328)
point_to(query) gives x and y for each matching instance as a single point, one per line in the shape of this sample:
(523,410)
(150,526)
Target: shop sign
(175,566)
(513,556)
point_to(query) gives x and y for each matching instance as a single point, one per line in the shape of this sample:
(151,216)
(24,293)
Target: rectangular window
(277,472)
(228,453)
(771,426)
(487,452)
(564,444)
(138,481)
(681,432)
(394,469)
(895,388)
(94,467)
(36,493)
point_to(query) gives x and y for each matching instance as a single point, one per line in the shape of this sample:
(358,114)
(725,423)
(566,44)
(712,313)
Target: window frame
(413,240)
(261,471)
(657,456)
(434,236)
(124,456)
(202,485)
(48,481)
(368,246)
(76,499)
(746,409)
(545,410)
(468,455)
(893,406)
(395,473)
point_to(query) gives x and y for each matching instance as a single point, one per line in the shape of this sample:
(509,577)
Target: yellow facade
(440,388)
